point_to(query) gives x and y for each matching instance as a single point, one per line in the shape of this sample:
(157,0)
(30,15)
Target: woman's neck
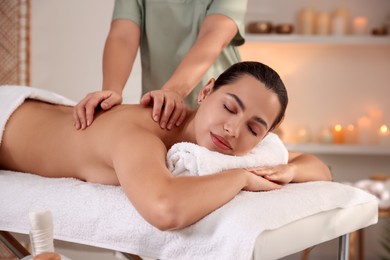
(186,132)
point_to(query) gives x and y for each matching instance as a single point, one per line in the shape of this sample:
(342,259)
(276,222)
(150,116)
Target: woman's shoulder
(130,117)
(129,113)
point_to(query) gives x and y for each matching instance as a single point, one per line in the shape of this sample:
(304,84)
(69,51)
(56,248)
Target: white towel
(11,97)
(191,159)
(101,215)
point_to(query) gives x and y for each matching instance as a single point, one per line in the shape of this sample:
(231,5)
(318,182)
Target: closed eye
(252,131)
(228,109)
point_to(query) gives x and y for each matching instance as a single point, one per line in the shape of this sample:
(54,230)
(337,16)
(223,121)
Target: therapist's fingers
(158,103)
(173,109)
(182,117)
(106,99)
(76,119)
(156,99)
(79,115)
(146,99)
(168,113)
(178,115)
(168,107)
(110,99)
(84,111)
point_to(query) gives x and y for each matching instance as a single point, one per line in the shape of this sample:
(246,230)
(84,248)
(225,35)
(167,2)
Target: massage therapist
(182,44)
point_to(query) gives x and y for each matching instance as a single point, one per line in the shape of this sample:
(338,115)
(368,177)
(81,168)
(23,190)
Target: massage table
(253,225)
(288,228)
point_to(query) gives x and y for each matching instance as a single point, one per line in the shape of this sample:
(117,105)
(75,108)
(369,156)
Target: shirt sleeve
(235,10)
(127,9)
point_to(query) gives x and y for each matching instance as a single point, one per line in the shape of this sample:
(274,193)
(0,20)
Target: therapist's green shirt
(169,28)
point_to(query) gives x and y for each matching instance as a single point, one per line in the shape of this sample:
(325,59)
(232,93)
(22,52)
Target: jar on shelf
(306,21)
(340,20)
(323,23)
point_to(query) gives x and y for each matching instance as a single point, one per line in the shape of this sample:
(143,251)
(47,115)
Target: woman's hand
(168,107)
(84,111)
(282,174)
(256,182)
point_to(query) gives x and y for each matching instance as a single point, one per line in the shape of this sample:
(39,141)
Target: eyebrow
(241,104)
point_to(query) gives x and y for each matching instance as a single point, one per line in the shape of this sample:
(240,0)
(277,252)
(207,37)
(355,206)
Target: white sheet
(101,215)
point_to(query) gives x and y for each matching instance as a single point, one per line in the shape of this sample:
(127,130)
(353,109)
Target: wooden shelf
(318,39)
(340,149)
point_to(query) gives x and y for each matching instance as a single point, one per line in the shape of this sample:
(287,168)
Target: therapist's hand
(282,174)
(169,109)
(83,112)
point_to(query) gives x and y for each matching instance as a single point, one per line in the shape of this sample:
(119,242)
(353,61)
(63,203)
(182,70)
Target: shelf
(318,39)
(332,149)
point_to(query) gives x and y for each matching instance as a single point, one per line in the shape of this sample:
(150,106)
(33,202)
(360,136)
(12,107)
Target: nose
(232,127)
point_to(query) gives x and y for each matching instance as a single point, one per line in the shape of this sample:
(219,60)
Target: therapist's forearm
(216,33)
(309,168)
(118,57)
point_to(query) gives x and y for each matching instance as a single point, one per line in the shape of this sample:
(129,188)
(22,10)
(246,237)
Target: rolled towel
(191,160)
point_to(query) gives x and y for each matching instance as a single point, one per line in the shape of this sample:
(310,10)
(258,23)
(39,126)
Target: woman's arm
(300,168)
(308,167)
(169,202)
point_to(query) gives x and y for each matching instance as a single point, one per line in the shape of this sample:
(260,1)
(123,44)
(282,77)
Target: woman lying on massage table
(124,146)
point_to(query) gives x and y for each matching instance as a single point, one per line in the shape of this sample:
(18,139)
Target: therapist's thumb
(111,101)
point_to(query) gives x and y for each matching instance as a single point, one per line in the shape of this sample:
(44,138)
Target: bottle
(41,237)
(340,20)
(307,21)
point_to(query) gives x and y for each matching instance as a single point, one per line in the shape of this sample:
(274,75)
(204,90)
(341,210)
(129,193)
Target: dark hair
(264,74)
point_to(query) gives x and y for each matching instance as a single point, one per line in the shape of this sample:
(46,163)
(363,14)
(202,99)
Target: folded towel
(191,159)
(11,97)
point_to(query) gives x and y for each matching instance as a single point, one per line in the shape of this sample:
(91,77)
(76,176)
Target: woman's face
(235,117)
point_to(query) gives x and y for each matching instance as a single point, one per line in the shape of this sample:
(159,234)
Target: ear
(206,90)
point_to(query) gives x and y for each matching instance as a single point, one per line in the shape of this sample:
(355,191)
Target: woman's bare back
(40,138)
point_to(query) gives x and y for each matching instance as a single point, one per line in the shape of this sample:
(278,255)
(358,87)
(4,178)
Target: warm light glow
(360,25)
(338,134)
(350,127)
(384,129)
(302,131)
(338,128)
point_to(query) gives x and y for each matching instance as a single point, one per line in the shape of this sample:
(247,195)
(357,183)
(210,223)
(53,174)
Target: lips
(220,142)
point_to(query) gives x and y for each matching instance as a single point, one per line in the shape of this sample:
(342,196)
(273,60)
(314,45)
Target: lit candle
(338,134)
(350,134)
(364,126)
(384,135)
(360,25)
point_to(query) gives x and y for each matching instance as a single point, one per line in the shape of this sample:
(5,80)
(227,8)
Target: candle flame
(338,128)
(384,129)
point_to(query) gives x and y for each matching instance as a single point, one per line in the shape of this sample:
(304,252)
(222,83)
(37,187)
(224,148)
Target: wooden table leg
(13,245)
